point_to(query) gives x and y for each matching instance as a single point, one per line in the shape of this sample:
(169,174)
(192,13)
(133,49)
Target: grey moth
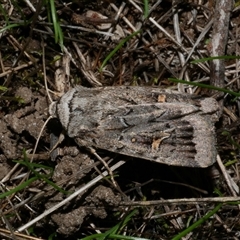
(143,122)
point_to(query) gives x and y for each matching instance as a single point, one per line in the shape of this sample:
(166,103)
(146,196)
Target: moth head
(52,109)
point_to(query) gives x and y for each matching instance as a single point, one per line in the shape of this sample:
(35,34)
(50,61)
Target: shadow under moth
(143,122)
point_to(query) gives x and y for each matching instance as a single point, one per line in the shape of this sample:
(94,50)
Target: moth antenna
(49,97)
(38,138)
(44,72)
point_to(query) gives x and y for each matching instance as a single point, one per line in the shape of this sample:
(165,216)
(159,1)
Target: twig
(219,40)
(75,194)
(231,184)
(182,201)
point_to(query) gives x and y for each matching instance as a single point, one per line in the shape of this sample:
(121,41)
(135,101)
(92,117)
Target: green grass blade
(58,34)
(54,19)
(146,8)
(19,187)
(205,86)
(213,58)
(114,230)
(112,236)
(10,26)
(31,167)
(117,48)
(198,223)
(2,88)
(117,228)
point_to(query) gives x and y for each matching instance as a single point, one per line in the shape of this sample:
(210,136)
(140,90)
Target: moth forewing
(178,130)
(191,141)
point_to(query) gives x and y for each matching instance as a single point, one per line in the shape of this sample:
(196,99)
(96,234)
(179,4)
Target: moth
(143,122)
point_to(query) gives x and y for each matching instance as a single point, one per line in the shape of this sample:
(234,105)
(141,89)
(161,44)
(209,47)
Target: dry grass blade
(75,194)
(54,46)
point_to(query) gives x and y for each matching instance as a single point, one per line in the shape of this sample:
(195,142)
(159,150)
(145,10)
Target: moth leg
(54,142)
(93,151)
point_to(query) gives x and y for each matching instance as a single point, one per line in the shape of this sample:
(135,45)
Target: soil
(51,176)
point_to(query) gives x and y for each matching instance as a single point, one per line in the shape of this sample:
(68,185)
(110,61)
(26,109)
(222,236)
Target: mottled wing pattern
(149,123)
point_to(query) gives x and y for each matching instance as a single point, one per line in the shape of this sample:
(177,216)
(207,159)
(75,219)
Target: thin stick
(105,165)
(75,194)
(182,201)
